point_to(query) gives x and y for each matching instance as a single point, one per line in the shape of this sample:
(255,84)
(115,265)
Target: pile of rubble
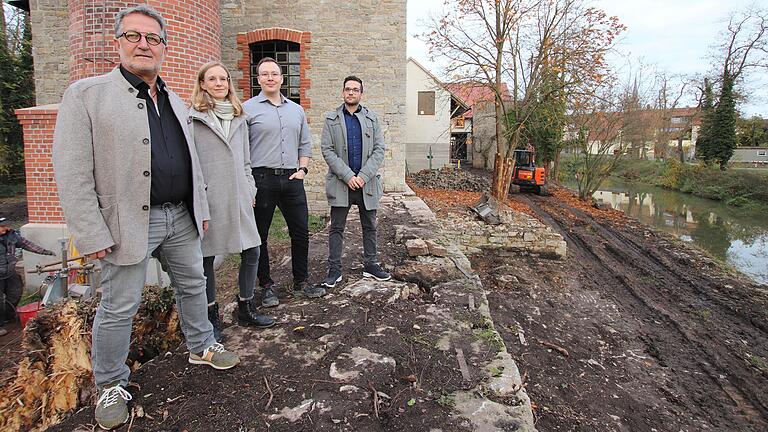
(54,378)
(449,178)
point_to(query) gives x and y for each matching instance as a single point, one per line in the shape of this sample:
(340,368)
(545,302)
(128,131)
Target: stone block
(561,249)
(416,247)
(436,249)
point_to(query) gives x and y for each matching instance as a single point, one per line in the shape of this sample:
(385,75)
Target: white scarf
(223,112)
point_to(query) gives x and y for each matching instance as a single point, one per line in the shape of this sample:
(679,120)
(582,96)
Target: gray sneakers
(269,297)
(215,356)
(112,408)
(308,290)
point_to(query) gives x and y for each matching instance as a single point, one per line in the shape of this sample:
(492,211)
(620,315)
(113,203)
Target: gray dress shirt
(279,135)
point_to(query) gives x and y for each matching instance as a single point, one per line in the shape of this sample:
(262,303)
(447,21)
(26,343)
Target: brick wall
(366,39)
(75,39)
(87,43)
(42,196)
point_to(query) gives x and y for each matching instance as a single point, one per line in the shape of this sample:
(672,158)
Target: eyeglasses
(269,74)
(352,90)
(134,37)
(215,79)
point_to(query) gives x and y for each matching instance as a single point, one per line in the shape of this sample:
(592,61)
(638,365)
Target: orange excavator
(525,173)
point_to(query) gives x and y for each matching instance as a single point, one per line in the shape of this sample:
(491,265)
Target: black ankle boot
(213,317)
(247,316)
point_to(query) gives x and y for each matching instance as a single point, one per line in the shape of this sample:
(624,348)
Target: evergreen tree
(544,129)
(723,140)
(704,141)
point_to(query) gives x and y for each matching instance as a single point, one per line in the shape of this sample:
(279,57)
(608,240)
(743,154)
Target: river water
(734,235)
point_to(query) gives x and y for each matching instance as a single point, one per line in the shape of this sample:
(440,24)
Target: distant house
(644,134)
(481,118)
(750,155)
(432,114)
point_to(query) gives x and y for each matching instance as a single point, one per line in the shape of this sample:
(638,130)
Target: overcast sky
(673,35)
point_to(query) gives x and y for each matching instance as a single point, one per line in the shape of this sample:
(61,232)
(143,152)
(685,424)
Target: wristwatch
(306,171)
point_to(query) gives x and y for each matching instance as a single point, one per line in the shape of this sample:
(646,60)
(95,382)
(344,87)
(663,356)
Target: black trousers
(10,293)
(289,196)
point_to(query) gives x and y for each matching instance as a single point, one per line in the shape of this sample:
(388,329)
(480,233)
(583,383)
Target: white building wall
(423,132)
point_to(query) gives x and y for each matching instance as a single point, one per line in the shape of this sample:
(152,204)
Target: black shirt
(171,163)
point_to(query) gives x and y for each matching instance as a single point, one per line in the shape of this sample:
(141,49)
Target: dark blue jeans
(289,196)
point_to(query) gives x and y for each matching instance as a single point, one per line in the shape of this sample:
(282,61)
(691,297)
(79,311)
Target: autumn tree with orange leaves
(520,43)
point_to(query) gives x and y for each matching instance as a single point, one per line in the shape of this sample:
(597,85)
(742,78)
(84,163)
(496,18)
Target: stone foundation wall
(518,232)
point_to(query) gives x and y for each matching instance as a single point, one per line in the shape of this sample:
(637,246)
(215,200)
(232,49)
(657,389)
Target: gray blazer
(334,148)
(226,165)
(101,149)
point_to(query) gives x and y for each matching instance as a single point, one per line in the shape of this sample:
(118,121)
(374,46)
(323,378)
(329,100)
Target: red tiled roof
(472,93)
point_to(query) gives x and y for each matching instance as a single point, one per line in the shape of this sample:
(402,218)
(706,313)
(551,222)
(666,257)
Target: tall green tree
(723,139)
(743,48)
(17,90)
(544,126)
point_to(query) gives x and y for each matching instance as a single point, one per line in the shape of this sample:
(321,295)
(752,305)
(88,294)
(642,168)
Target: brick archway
(244,40)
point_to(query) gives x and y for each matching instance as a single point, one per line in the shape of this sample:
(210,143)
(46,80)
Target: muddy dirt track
(634,331)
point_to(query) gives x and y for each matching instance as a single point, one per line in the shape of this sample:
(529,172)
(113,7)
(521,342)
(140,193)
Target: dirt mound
(448,178)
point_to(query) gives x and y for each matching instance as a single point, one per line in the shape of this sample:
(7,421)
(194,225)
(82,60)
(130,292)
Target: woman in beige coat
(221,138)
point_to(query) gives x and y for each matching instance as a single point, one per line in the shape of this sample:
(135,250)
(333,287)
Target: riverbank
(634,330)
(741,188)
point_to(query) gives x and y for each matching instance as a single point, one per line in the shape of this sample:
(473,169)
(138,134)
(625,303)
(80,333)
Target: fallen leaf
(409,378)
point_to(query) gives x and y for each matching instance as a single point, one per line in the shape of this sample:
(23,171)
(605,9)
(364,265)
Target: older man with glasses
(130,185)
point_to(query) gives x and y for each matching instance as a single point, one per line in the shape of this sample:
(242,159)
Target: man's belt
(274,171)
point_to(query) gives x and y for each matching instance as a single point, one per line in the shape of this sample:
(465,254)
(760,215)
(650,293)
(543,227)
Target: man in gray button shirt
(281,147)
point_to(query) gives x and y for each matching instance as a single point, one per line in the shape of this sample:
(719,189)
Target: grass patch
(491,337)
(446,400)
(757,362)
(497,371)
(279,229)
(702,314)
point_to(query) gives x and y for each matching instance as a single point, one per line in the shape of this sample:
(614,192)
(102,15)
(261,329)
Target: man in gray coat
(353,146)
(130,184)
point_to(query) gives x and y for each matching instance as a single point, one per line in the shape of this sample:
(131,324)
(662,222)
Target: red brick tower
(194,37)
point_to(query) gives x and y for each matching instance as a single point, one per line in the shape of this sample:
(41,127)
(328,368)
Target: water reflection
(737,236)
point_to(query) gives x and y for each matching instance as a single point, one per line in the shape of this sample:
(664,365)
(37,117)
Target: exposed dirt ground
(14,209)
(634,331)
(285,370)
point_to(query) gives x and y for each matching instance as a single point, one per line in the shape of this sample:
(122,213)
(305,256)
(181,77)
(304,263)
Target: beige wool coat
(102,160)
(333,145)
(226,166)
